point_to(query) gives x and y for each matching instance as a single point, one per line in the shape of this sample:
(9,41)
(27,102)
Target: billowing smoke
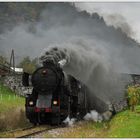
(91,51)
(90,31)
(93,115)
(116,15)
(90,64)
(118,21)
(56,27)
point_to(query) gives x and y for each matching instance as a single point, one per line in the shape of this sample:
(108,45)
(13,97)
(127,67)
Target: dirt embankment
(13,119)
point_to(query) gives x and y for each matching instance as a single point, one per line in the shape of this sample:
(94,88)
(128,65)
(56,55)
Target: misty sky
(125,12)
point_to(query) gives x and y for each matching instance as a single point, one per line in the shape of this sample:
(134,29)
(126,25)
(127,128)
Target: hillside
(12,14)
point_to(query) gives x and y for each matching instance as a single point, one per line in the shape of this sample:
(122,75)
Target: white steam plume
(93,115)
(97,117)
(69,121)
(62,62)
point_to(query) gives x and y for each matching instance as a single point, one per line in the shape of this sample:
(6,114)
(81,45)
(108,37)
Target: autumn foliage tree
(133,93)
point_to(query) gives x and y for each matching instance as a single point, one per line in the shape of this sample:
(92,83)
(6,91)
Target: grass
(12,110)
(9,100)
(125,124)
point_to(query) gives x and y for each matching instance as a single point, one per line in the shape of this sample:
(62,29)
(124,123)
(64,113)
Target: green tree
(2,60)
(28,65)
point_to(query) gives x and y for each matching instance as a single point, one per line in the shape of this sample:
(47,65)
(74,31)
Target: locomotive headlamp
(55,102)
(44,72)
(31,103)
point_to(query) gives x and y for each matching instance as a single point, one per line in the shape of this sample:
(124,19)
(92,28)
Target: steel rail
(37,132)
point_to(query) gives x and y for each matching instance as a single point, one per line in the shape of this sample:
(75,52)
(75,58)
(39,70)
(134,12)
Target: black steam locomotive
(56,95)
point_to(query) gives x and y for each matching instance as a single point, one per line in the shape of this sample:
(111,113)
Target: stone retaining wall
(15,84)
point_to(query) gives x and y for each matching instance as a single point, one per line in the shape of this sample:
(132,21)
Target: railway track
(36,133)
(21,129)
(28,131)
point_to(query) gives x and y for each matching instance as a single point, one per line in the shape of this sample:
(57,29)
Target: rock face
(15,84)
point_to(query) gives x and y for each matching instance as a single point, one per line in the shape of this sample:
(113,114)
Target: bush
(133,95)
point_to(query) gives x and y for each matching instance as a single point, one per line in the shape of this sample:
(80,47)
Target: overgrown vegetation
(12,112)
(133,93)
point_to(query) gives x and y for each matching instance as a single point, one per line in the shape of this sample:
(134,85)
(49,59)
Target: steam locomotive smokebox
(45,80)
